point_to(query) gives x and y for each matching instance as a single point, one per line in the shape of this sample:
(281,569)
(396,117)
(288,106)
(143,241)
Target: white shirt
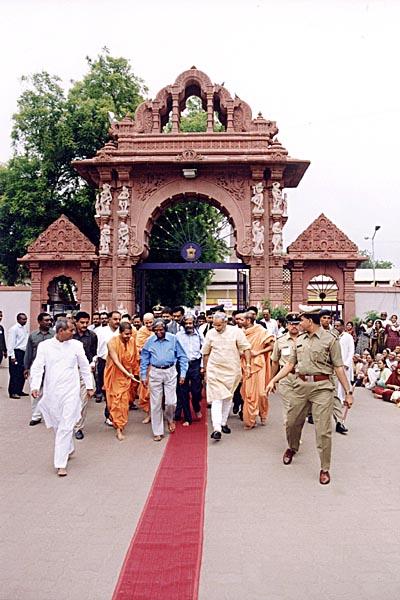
(347,347)
(17,339)
(104,335)
(271,326)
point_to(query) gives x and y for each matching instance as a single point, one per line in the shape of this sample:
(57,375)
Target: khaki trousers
(285,388)
(319,397)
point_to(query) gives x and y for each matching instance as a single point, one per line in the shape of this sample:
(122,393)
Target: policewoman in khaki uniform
(315,358)
(280,357)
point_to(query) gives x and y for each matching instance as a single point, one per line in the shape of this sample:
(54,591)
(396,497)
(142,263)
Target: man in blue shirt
(192,341)
(158,371)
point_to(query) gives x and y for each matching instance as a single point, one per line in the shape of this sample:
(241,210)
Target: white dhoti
(60,404)
(223,370)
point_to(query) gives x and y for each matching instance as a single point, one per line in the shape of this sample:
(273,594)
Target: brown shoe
(288,456)
(324,477)
(62,472)
(157,438)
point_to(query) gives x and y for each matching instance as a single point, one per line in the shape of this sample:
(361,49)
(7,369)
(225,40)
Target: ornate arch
(205,190)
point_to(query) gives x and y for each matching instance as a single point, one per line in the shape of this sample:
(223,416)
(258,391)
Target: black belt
(164,367)
(195,360)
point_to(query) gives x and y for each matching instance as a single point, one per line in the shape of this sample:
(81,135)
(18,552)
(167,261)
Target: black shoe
(15,396)
(225,429)
(310,419)
(241,415)
(216,435)
(235,409)
(33,423)
(99,399)
(23,394)
(79,434)
(340,428)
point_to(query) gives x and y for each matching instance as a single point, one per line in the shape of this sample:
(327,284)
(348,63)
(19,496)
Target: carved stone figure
(123,200)
(258,238)
(105,239)
(277,246)
(258,200)
(284,205)
(123,238)
(103,201)
(277,200)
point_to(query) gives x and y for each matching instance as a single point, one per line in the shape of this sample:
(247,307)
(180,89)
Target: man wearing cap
(157,311)
(316,356)
(280,358)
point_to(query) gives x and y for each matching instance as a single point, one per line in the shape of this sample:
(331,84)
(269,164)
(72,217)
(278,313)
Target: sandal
(157,438)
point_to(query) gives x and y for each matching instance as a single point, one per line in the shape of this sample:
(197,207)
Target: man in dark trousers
(191,341)
(16,344)
(3,346)
(89,340)
(45,332)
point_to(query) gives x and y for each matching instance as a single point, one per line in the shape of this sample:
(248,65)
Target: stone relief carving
(258,200)
(61,236)
(123,201)
(189,155)
(279,202)
(233,184)
(103,201)
(105,239)
(258,238)
(277,245)
(323,236)
(123,238)
(147,184)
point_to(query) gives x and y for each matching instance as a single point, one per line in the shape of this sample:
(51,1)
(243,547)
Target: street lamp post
(372,238)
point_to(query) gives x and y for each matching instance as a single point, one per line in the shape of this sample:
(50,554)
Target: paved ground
(271,531)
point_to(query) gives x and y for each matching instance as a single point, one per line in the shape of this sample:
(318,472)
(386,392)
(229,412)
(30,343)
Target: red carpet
(164,558)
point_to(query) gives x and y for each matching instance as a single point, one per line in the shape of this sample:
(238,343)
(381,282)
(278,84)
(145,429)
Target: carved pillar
(258,285)
(210,112)
(229,117)
(274,226)
(125,285)
(349,295)
(175,111)
(156,117)
(86,287)
(105,301)
(297,276)
(37,292)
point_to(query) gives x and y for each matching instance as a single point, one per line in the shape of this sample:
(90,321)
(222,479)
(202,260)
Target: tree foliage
(379,264)
(51,128)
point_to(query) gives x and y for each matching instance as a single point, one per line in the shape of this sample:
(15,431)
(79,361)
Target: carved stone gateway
(143,169)
(61,250)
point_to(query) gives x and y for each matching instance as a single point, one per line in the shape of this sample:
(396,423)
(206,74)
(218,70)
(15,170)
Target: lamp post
(372,238)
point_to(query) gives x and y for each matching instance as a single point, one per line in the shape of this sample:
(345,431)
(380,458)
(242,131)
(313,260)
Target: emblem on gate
(191,251)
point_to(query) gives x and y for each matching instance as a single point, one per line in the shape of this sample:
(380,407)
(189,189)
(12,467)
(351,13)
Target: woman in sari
(383,376)
(377,338)
(391,393)
(119,378)
(392,333)
(363,336)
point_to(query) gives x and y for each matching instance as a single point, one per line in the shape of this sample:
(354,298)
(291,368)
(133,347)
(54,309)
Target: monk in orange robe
(119,376)
(142,336)
(255,400)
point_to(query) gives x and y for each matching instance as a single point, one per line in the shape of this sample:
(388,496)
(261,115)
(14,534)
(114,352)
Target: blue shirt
(191,343)
(160,353)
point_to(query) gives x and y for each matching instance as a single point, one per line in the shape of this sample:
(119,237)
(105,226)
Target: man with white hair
(62,361)
(221,354)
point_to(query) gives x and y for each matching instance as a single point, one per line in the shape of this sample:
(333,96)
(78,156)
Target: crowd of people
(167,360)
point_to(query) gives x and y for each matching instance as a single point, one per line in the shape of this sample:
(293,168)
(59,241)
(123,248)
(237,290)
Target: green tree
(379,264)
(191,221)
(51,128)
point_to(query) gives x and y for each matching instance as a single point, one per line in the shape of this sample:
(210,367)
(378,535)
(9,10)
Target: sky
(326,71)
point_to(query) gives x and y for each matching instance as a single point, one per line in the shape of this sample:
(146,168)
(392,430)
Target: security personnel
(280,357)
(315,358)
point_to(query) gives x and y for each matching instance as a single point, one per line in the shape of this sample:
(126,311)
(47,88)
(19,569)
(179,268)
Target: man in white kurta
(346,342)
(221,351)
(61,360)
